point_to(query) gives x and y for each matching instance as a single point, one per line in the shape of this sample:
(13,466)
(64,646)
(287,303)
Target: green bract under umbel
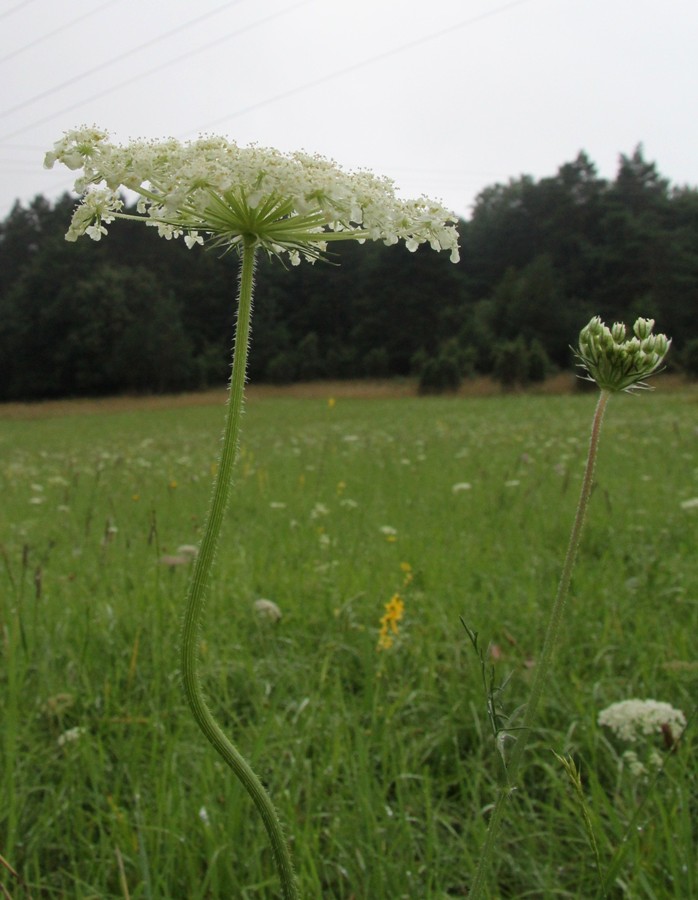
(211,189)
(616,362)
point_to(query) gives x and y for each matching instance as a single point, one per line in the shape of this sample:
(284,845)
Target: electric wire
(116,59)
(337,73)
(50,34)
(14,9)
(158,68)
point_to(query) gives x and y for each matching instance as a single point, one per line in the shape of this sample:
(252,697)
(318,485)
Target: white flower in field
(288,204)
(388,530)
(629,720)
(319,510)
(190,550)
(690,504)
(461,486)
(203,815)
(632,760)
(37,500)
(70,736)
(267,609)
(275,504)
(513,482)
(175,559)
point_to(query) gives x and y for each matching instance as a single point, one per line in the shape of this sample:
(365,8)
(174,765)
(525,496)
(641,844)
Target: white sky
(444,96)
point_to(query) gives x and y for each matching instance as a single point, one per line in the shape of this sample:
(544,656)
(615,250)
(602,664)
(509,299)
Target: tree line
(136,313)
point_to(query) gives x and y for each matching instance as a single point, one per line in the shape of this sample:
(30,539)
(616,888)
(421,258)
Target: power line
(13,9)
(50,34)
(116,59)
(158,68)
(331,76)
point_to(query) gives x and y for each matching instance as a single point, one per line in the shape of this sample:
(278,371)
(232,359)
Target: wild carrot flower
(616,362)
(394,610)
(213,189)
(630,720)
(291,206)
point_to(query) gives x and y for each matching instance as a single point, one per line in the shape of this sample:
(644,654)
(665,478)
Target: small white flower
(690,504)
(319,510)
(461,486)
(631,759)
(267,609)
(70,736)
(388,530)
(190,550)
(631,719)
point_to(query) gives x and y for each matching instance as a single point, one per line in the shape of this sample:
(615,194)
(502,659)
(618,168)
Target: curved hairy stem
(200,579)
(543,663)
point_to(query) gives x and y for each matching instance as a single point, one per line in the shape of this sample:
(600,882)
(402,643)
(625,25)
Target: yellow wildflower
(394,610)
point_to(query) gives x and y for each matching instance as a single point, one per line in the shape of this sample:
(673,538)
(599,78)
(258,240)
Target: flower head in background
(631,720)
(616,362)
(210,188)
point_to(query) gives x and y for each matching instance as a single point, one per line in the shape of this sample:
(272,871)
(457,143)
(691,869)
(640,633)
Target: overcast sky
(444,96)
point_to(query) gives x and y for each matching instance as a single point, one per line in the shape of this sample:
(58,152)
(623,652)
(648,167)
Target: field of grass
(381,762)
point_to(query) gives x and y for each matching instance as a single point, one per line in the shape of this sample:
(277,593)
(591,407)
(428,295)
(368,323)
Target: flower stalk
(543,663)
(615,363)
(201,577)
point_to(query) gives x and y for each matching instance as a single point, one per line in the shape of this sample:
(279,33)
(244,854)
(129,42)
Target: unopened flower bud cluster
(617,362)
(631,720)
(211,187)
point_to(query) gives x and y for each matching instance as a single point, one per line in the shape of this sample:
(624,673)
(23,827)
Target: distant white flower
(631,719)
(203,815)
(388,530)
(319,510)
(690,504)
(632,760)
(513,482)
(277,505)
(70,736)
(267,609)
(461,486)
(289,204)
(190,550)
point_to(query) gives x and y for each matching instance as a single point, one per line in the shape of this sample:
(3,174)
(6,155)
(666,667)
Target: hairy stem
(201,576)
(543,662)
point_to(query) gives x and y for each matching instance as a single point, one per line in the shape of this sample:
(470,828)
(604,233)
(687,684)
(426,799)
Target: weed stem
(543,663)
(200,579)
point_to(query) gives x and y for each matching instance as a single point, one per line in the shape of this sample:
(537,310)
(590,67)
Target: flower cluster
(616,362)
(394,610)
(212,188)
(629,720)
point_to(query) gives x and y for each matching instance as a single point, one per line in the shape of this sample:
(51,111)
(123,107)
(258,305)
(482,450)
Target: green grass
(381,764)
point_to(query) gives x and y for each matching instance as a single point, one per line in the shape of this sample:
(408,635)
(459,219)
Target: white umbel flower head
(212,189)
(630,720)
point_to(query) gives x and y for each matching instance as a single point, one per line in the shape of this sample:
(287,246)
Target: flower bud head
(618,363)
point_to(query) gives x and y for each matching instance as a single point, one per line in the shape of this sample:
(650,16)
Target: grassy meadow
(381,761)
